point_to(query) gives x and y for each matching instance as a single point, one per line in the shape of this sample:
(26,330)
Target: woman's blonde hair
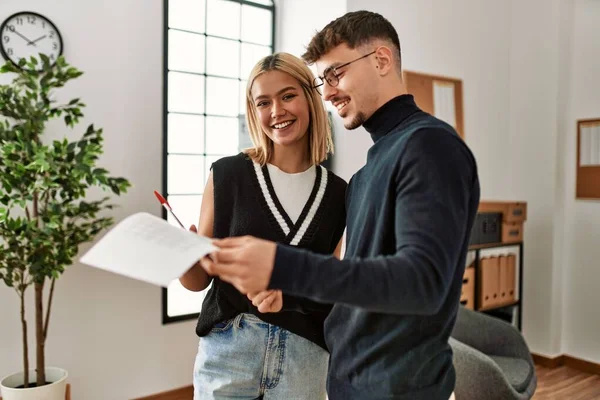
(319,129)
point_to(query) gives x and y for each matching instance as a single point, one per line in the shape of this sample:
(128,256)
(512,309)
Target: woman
(269,345)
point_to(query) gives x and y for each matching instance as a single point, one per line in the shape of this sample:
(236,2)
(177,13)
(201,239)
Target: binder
(467,295)
(503,280)
(489,282)
(511,261)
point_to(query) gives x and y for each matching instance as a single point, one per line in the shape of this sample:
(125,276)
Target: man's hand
(246,262)
(268,301)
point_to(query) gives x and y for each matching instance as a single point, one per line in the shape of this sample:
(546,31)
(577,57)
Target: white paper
(589,146)
(596,145)
(585,156)
(443,102)
(149,249)
(594,139)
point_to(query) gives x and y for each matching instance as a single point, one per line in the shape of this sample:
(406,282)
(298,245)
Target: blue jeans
(247,359)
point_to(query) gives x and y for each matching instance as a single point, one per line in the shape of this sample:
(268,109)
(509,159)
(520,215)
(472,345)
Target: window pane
(222,135)
(251,54)
(185,174)
(186,93)
(186,51)
(223,95)
(223,19)
(187,209)
(244,140)
(257,25)
(185,133)
(187,14)
(243,97)
(181,301)
(223,57)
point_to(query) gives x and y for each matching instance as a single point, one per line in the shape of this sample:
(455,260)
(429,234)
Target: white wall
(106,330)
(581,254)
(531,155)
(559,268)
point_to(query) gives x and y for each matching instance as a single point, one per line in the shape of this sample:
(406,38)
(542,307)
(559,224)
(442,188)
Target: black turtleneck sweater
(396,292)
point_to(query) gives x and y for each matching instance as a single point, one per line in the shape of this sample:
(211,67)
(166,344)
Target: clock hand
(36,40)
(18,33)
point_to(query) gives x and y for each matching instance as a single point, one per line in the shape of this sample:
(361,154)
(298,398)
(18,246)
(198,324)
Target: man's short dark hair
(355,28)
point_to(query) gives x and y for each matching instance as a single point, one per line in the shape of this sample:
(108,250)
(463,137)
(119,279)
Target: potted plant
(44,212)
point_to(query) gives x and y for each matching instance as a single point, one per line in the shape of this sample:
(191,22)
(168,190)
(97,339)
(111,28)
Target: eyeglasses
(330,75)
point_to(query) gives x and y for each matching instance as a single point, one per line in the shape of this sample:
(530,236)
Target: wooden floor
(566,383)
(562,383)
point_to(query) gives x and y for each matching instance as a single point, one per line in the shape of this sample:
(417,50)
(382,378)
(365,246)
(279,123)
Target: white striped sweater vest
(246,204)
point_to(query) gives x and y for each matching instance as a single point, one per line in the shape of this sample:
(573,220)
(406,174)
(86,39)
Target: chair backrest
(479,342)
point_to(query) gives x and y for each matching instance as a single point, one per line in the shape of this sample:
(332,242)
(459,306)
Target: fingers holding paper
(245,262)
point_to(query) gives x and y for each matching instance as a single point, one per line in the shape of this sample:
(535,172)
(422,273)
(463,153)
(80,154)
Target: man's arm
(306,306)
(434,186)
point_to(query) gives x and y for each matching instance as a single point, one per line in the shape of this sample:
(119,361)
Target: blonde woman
(268,345)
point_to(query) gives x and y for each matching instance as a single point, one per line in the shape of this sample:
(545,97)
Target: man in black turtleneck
(409,214)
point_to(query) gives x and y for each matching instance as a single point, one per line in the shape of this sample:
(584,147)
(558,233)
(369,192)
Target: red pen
(167,207)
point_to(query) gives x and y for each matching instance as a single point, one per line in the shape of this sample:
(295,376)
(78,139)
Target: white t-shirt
(292,190)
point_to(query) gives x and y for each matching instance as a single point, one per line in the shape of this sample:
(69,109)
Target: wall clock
(27,34)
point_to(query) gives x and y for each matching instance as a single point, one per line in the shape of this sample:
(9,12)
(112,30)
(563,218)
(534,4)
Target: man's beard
(357,121)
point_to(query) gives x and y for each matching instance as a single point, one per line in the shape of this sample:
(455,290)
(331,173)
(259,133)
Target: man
(409,215)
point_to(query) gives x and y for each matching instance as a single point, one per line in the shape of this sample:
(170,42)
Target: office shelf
(518,303)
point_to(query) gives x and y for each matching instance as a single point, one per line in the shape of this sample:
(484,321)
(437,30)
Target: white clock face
(28,34)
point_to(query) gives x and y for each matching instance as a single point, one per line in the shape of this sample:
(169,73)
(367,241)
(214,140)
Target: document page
(443,102)
(148,248)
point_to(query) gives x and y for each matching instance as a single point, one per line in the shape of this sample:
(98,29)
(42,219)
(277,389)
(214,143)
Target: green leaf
(45,59)
(8,67)
(7,186)
(60,61)
(90,131)
(100,171)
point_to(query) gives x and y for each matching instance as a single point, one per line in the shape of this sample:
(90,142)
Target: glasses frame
(320,80)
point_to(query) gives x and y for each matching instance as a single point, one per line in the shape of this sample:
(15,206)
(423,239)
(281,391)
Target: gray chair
(491,359)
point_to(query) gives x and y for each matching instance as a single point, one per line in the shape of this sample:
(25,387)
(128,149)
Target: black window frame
(166,319)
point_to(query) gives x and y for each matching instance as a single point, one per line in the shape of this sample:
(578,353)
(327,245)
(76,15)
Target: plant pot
(52,391)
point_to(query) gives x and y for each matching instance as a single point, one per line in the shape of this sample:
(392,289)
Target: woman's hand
(267,301)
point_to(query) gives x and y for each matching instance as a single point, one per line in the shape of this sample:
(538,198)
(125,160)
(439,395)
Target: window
(210,48)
